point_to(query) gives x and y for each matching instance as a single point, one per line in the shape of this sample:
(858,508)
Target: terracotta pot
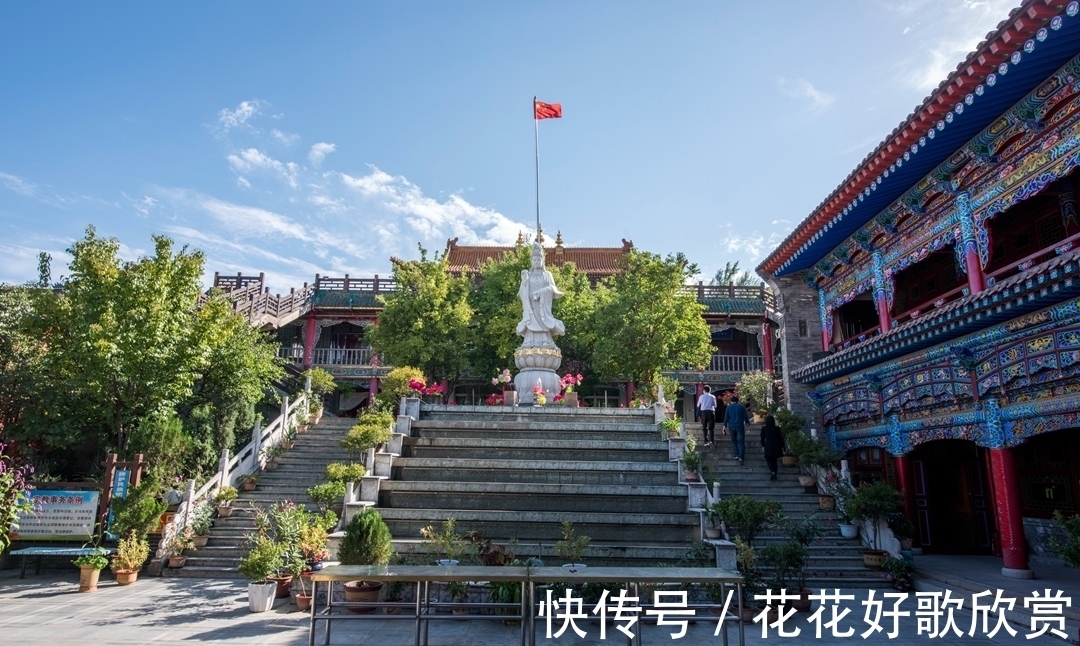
(691,476)
(803,603)
(874,559)
(362,591)
(806,481)
(826,502)
(789,460)
(283,582)
(286,445)
(125,577)
(88,578)
(303,601)
(271,465)
(224,511)
(200,541)
(247,486)
(177,561)
(459,611)
(391,610)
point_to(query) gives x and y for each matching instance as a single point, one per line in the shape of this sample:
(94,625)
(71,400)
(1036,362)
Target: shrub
(262,561)
(340,472)
(366,541)
(447,543)
(395,384)
(140,512)
(322,382)
(327,494)
(755,385)
(747,517)
(371,430)
(1069,550)
(225,496)
(131,552)
(572,546)
(873,502)
(787,561)
(900,572)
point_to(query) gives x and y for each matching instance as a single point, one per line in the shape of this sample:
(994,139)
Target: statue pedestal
(537,362)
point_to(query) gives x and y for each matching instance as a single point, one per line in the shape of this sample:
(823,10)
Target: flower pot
(812,490)
(691,476)
(247,486)
(303,601)
(200,541)
(125,577)
(446,562)
(849,531)
(759,418)
(287,445)
(177,561)
(789,460)
(460,611)
(712,532)
(570,400)
(271,465)
(574,565)
(261,596)
(874,559)
(907,543)
(749,612)
(283,582)
(88,578)
(224,511)
(362,591)
(391,610)
(826,502)
(806,481)
(803,603)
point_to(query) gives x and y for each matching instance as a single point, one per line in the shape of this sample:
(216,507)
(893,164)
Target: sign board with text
(59,516)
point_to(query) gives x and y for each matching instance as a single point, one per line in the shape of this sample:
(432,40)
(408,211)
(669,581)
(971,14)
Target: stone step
(536,450)
(617,435)
(569,472)
(538,429)
(530,414)
(531,496)
(596,554)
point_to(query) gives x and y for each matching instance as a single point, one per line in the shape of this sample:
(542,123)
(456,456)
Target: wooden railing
(701,290)
(374,285)
(1037,258)
(735,363)
(329,356)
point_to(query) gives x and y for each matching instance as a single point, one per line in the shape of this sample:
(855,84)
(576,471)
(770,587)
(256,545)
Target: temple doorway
(953,501)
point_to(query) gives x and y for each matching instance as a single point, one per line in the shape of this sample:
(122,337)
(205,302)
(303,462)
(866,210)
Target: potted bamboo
(224,499)
(366,542)
(131,553)
(90,567)
(261,562)
(872,504)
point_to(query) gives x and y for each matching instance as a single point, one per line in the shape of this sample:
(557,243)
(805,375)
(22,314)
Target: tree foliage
(425,323)
(730,275)
(646,322)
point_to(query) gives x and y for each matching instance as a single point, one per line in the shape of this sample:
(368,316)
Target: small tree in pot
(447,544)
(572,546)
(224,499)
(872,504)
(747,517)
(262,562)
(803,533)
(366,542)
(131,553)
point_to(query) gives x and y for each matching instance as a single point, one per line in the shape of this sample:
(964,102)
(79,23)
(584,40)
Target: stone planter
(88,578)
(712,532)
(261,596)
(849,531)
(827,502)
(691,476)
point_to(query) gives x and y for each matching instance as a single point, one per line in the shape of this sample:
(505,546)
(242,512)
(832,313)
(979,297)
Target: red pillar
(629,393)
(373,391)
(824,338)
(902,465)
(976,280)
(445,383)
(309,341)
(766,345)
(883,317)
(1010,523)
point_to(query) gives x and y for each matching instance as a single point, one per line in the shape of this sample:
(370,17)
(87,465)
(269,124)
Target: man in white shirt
(707,405)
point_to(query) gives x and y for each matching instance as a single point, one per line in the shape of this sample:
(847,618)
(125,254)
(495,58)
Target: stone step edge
(436,487)
(538,465)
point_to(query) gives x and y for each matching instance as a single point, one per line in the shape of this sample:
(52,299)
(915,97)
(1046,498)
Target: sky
(304,138)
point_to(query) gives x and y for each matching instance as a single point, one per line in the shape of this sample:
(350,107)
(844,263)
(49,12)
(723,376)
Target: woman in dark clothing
(772,441)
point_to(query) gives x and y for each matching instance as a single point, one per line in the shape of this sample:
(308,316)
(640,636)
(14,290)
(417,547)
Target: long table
(528,578)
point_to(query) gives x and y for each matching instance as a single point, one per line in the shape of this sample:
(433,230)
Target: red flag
(547,110)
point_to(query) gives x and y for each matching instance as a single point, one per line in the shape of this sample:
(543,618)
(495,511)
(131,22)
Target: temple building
(931,303)
(323,324)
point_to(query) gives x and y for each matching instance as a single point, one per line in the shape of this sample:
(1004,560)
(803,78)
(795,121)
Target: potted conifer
(367,541)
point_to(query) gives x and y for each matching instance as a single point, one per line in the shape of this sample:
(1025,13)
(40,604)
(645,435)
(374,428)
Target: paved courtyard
(47,609)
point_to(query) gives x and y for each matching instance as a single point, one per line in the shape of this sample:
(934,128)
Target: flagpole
(536,141)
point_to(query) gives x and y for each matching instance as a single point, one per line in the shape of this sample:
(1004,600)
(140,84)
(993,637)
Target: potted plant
(713,516)
(261,562)
(784,561)
(131,552)
(273,456)
(843,492)
(568,383)
(539,396)
(747,517)
(459,593)
(572,546)
(872,504)
(224,499)
(753,585)
(90,566)
(247,482)
(372,430)
(803,533)
(508,592)
(366,542)
(670,427)
(789,459)
(903,530)
(327,495)
(346,473)
(288,439)
(177,545)
(691,460)
(202,519)
(756,385)
(447,544)
(900,573)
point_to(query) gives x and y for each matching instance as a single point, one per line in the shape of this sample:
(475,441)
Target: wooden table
(422,576)
(633,577)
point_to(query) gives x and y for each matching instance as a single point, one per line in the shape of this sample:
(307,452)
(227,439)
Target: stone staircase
(300,468)
(518,473)
(835,562)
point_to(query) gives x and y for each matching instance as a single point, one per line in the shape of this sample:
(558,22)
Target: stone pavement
(172,611)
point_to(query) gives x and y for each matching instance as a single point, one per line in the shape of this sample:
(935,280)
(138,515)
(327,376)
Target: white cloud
(19,185)
(142,205)
(242,181)
(818,101)
(238,118)
(319,152)
(283,137)
(252,158)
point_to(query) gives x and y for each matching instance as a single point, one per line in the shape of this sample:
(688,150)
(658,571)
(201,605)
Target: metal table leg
(314,607)
(416,636)
(742,632)
(329,610)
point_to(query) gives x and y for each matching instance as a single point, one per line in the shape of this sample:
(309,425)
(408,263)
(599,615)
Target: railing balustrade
(735,363)
(329,356)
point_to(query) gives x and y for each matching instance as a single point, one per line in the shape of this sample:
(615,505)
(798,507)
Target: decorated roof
(594,261)
(1038,37)
(733,305)
(341,299)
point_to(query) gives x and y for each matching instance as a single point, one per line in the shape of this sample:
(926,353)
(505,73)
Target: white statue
(537,292)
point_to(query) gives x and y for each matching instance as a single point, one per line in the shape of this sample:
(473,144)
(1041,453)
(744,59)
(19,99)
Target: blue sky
(326,137)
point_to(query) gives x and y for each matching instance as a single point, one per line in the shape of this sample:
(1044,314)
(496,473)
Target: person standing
(707,406)
(772,444)
(735,420)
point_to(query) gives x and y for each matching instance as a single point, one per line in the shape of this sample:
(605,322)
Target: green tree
(425,323)
(646,322)
(730,275)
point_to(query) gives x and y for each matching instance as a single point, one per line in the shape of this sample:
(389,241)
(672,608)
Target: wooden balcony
(329,356)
